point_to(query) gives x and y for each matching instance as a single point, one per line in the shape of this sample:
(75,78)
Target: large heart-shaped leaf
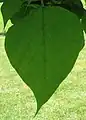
(43,48)
(9,8)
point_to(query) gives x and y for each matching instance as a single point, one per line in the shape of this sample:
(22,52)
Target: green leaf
(83,21)
(43,48)
(9,8)
(24,11)
(1,0)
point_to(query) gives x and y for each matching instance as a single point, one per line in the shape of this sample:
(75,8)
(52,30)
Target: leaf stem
(42,3)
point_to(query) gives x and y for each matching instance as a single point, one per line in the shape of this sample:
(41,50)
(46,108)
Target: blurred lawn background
(17,101)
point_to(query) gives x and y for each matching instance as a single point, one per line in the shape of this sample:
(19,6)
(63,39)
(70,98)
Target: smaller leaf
(1,0)
(83,21)
(9,8)
(23,12)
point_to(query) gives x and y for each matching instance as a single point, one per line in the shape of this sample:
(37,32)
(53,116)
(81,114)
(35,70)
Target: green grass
(17,101)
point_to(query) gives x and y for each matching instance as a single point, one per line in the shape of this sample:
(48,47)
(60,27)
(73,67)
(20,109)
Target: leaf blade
(60,54)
